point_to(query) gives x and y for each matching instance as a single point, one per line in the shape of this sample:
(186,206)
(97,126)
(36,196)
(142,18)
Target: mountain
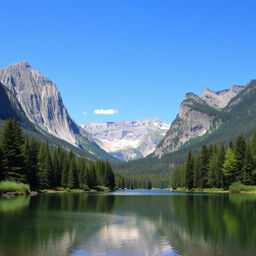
(213,118)
(220,99)
(198,116)
(128,140)
(38,99)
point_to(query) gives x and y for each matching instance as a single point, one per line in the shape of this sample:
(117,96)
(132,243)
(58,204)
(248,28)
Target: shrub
(11,186)
(84,187)
(238,186)
(101,188)
(182,189)
(213,189)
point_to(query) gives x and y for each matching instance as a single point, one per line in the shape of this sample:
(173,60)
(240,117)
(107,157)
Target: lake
(131,223)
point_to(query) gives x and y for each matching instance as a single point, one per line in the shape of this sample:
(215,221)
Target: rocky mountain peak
(128,139)
(40,100)
(20,65)
(192,96)
(220,99)
(197,117)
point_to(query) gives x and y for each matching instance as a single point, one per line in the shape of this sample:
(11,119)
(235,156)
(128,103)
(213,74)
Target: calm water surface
(129,223)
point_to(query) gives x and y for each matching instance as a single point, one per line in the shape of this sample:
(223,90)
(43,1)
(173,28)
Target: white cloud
(105,111)
(85,113)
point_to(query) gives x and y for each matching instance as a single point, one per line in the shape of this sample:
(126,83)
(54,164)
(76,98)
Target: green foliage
(229,167)
(45,168)
(212,190)
(13,205)
(30,154)
(11,186)
(238,186)
(248,167)
(189,168)
(182,189)
(11,148)
(84,187)
(240,149)
(138,182)
(213,168)
(203,167)
(101,188)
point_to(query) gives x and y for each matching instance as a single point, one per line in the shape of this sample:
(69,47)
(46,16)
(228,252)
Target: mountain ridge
(238,116)
(197,116)
(40,100)
(128,140)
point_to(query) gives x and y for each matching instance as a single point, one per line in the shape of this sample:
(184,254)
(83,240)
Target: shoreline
(52,191)
(35,193)
(11,194)
(218,191)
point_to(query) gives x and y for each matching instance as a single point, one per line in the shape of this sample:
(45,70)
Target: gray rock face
(128,139)
(220,99)
(197,117)
(41,101)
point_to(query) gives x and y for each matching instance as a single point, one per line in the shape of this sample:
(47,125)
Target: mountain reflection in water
(128,223)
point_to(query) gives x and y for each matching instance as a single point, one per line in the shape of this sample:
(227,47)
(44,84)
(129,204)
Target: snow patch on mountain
(128,140)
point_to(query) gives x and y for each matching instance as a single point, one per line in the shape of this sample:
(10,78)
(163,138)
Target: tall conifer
(203,167)
(44,166)
(240,149)
(248,168)
(189,167)
(12,157)
(229,167)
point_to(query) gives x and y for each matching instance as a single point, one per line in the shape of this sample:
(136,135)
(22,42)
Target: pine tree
(215,174)
(248,167)
(1,168)
(91,176)
(64,174)
(253,147)
(31,149)
(82,167)
(44,166)
(189,167)
(229,167)
(196,171)
(110,177)
(240,149)
(71,174)
(220,162)
(212,174)
(149,183)
(12,158)
(58,158)
(203,167)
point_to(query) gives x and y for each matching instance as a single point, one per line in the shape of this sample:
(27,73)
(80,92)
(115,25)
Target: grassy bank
(235,187)
(238,187)
(84,189)
(14,187)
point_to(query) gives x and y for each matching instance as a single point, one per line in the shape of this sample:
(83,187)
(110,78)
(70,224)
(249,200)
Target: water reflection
(13,205)
(124,224)
(126,235)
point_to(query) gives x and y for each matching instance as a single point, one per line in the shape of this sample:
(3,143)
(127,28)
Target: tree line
(218,167)
(134,182)
(26,160)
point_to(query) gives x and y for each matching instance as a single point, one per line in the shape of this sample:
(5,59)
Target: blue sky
(137,57)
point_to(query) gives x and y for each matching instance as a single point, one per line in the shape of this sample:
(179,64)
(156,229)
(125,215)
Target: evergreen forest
(26,160)
(217,167)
